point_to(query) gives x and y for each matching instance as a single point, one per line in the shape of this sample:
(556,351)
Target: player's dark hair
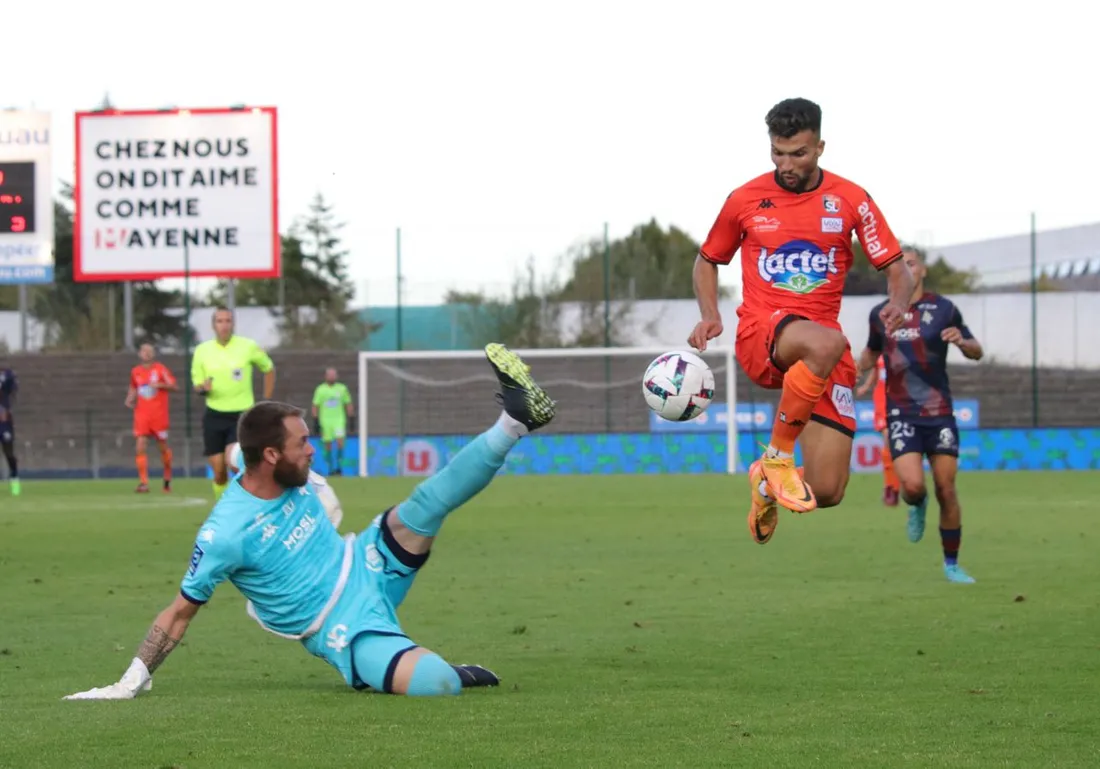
(917,250)
(264,427)
(792,116)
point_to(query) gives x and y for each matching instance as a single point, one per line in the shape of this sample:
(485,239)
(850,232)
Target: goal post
(416,407)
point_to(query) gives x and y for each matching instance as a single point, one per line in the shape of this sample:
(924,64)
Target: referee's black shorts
(219,429)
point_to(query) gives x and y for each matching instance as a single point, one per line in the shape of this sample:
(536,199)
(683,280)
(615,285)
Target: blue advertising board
(758,417)
(705,452)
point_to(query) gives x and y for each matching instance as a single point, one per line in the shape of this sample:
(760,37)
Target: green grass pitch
(633,621)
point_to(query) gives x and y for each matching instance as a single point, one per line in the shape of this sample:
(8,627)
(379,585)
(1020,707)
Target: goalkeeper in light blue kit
(269,536)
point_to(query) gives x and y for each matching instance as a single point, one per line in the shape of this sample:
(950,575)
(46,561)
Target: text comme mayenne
(153,187)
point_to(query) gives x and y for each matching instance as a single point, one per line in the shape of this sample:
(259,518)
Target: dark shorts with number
(923,435)
(7,430)
(219,429)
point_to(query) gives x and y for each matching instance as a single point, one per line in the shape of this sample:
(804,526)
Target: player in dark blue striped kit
(8,387)
(919,409)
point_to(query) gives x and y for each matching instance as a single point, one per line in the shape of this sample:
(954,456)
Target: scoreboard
(26,200)
(17,200)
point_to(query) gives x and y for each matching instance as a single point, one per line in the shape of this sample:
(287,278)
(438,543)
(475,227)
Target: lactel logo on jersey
(799,266)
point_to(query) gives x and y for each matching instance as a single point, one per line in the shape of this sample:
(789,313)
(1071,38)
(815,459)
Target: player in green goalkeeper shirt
(332,407)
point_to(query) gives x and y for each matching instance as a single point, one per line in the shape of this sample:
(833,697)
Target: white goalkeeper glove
(134,681)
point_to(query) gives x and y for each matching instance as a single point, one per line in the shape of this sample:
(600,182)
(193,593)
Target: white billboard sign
(169,193)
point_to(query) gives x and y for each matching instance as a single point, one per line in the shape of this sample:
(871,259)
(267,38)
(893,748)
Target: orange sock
(143,468)
(802,389)
(889,477)
(166,460)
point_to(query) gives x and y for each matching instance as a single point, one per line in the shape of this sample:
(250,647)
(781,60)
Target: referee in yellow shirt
(221,372)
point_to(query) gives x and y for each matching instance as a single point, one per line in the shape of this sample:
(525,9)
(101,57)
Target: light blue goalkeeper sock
(471,470)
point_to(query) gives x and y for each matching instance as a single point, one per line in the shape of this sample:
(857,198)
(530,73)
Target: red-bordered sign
(169,193)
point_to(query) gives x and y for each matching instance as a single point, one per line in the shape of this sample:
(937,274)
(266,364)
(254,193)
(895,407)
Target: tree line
(649,263)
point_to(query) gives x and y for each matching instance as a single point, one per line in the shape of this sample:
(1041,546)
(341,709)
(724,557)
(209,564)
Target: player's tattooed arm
(156,647)
(166,633)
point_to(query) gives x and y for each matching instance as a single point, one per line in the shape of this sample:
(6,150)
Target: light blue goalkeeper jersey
(283,555)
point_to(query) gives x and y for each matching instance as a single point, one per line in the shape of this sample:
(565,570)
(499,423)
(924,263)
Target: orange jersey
(151,401)
(796,247)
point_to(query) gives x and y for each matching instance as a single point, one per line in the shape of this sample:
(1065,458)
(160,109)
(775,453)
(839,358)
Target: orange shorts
(151,425)
(756,336)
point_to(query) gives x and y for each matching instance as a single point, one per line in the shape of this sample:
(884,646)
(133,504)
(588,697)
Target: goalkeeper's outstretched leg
(526,407)
(402,537)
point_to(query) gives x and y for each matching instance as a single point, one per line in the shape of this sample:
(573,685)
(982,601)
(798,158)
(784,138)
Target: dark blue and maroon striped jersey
(8,387)
(916,357)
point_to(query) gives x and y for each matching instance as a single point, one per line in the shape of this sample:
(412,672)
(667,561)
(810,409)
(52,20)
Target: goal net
(417,408)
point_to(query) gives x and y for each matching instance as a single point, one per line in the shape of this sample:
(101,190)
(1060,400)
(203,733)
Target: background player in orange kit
(150,383)
(877,378)
(794,229)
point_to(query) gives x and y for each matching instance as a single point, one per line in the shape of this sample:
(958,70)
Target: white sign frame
(176,193)
(28,257)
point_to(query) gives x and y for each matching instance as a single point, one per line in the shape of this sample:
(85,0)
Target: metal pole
(231,293)
(23,311)
(128,315)
(187,358)
(1034,327)
(111,316)
(607,327)
(400,340)
(399,344)
(606,288)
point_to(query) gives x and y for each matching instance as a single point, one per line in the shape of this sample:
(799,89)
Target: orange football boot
(787,484)
(764,512)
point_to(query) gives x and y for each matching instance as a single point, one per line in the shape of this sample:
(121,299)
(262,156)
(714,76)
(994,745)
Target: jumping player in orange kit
(794,229)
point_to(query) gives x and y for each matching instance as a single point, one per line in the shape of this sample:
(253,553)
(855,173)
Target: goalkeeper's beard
(289,475)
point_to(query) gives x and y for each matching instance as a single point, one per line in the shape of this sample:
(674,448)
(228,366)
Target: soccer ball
(334,511)
(678,386)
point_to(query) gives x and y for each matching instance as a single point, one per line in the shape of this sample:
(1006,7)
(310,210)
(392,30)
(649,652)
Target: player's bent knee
(913,493)
(828,484)
(834,343)
(830,493)
(831,498)
(433,677)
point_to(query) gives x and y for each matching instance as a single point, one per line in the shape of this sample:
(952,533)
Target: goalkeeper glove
(134,681)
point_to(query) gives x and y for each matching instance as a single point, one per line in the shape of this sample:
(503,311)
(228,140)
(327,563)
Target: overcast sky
(494,131)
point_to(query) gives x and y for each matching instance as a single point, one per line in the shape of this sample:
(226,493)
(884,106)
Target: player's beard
(289,475)
(799,184)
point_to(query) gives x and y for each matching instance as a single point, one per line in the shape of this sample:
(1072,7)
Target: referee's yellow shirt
(230,368)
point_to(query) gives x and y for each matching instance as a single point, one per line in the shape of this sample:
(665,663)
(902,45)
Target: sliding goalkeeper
(269,536)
